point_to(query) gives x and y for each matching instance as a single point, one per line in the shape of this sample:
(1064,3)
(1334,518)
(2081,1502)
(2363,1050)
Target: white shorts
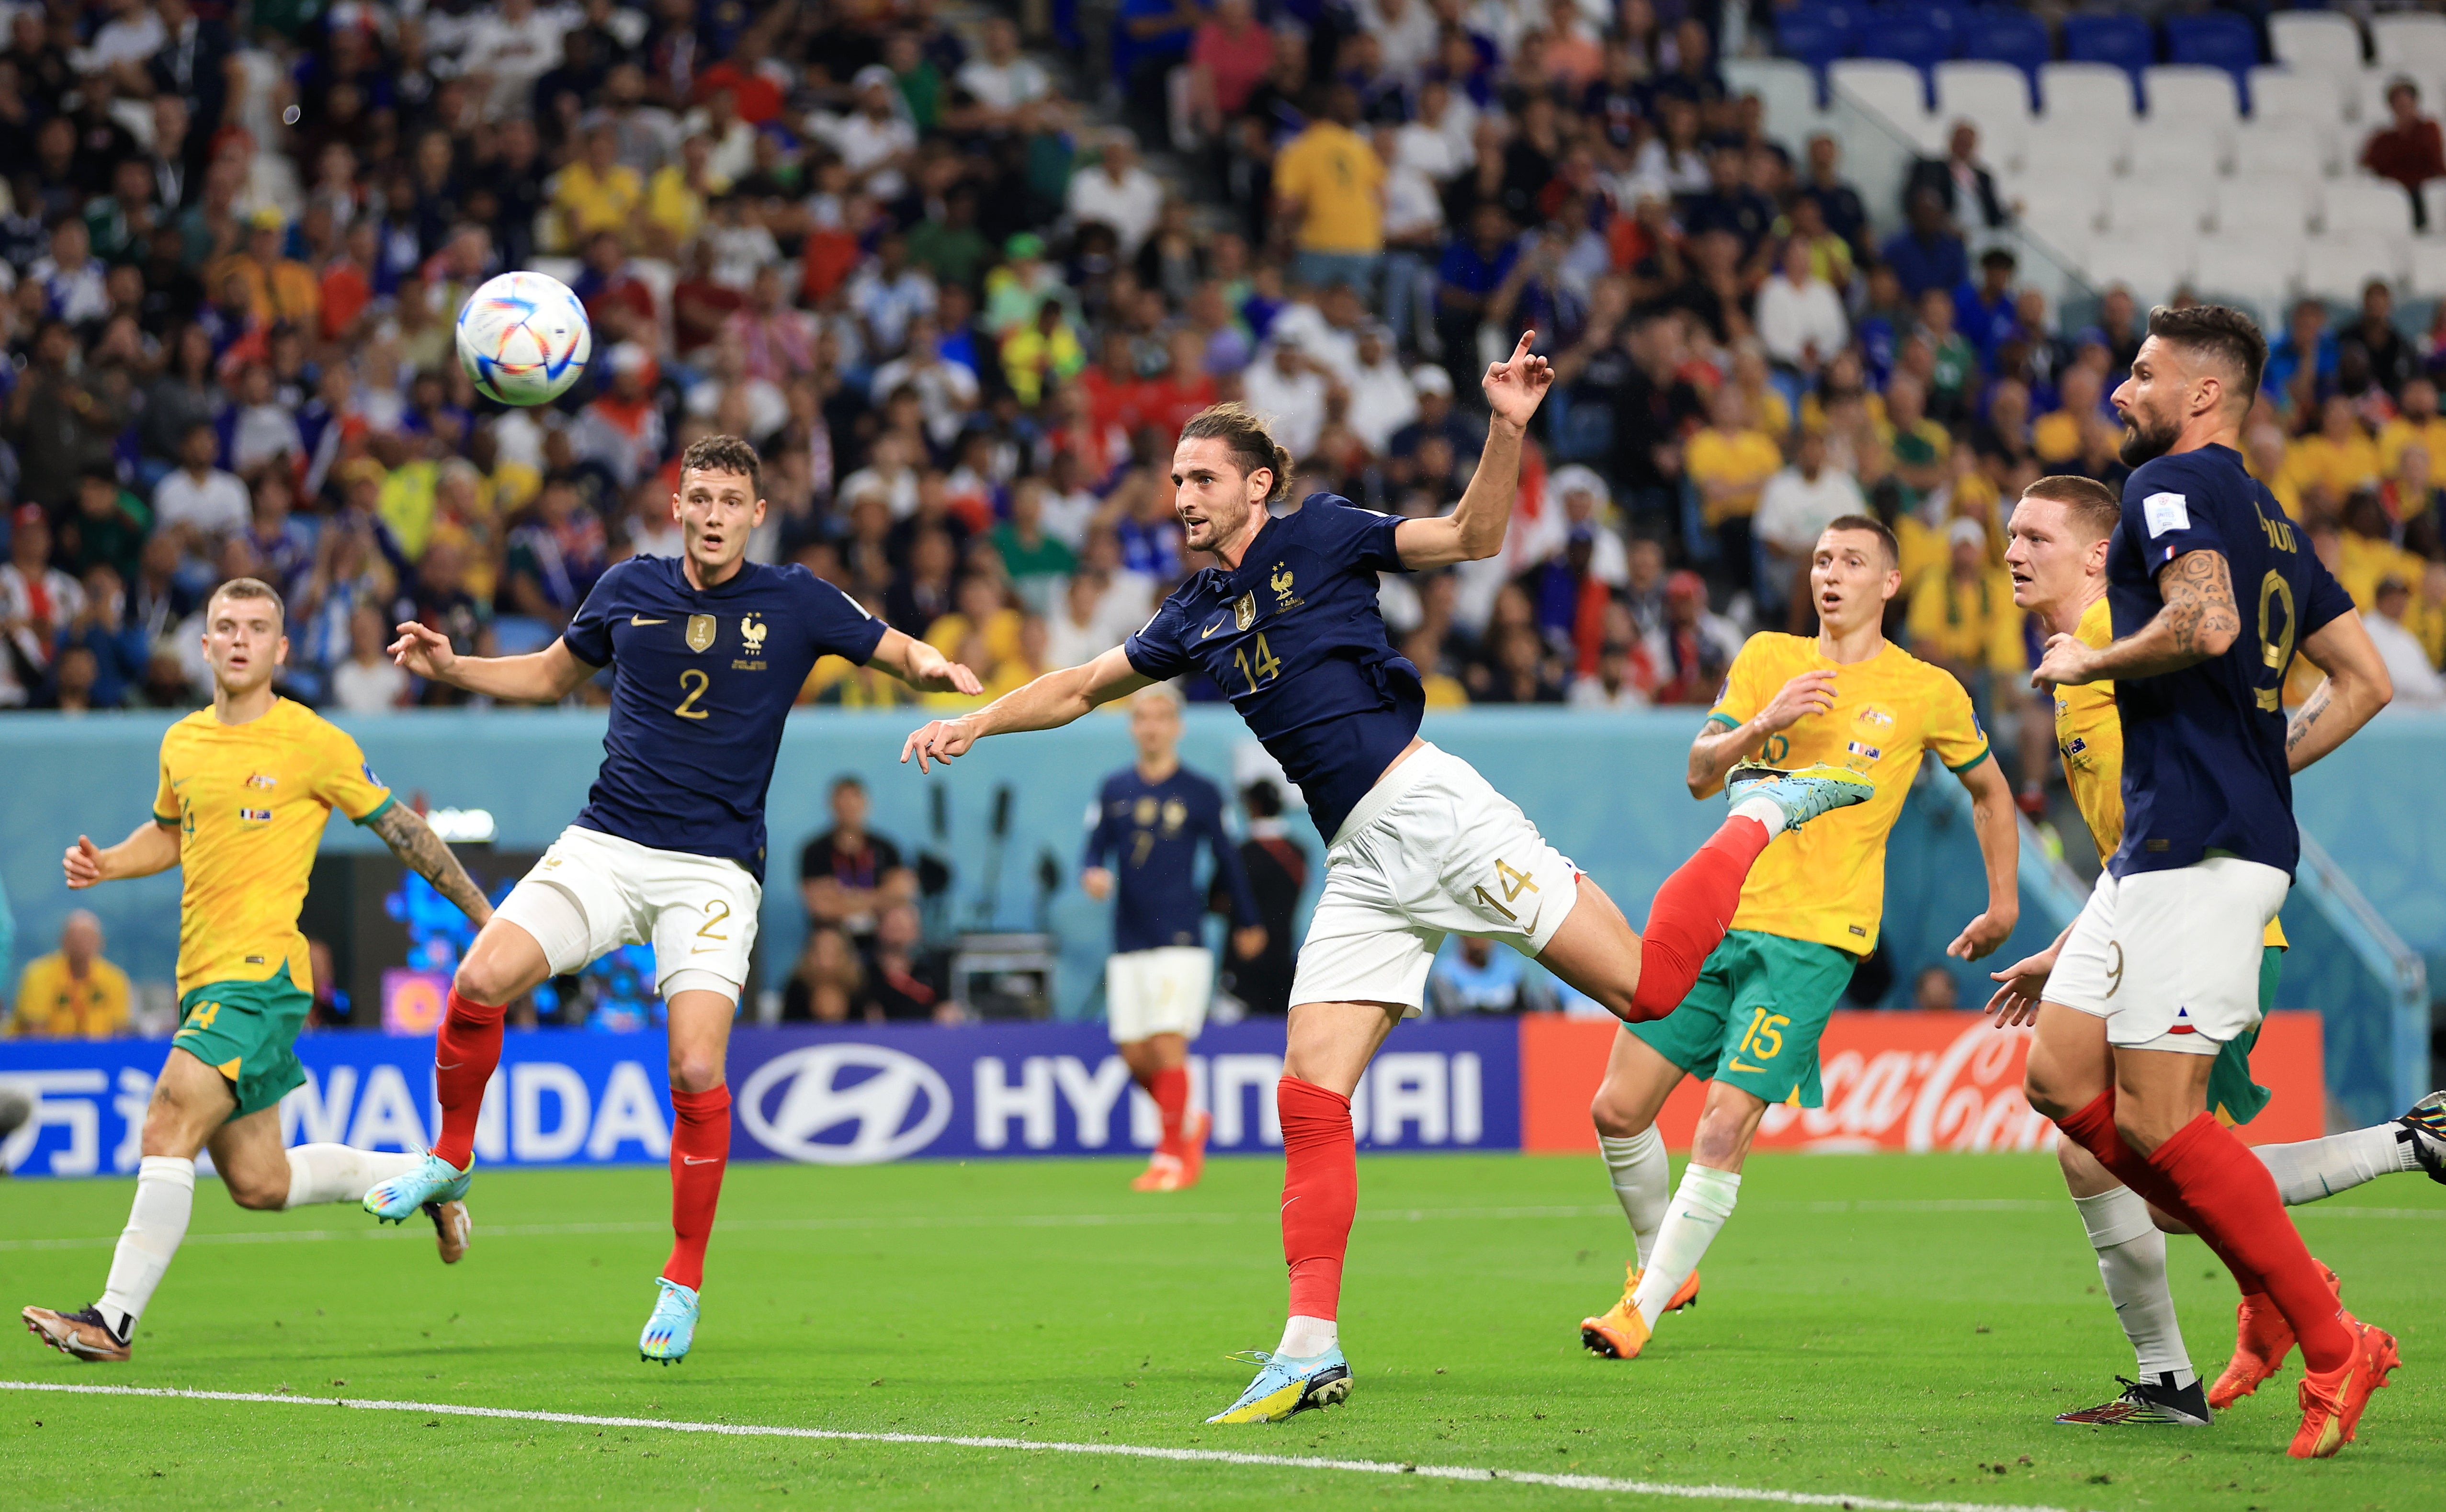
(2170,959)
(593,892)
(1432,849)
(1163,991)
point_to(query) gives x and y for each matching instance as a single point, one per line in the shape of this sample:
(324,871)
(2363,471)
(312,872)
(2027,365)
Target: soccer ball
(524,338)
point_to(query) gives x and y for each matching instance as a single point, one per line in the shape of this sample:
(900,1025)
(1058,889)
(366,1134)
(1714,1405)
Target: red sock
(2232,1192)
(2093,1128)
(700,1151)
(1170,1089)
(464,1053)
(1319,1192)
(1690,914)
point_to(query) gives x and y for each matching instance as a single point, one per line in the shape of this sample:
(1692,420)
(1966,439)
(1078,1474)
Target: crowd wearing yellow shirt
(72,993)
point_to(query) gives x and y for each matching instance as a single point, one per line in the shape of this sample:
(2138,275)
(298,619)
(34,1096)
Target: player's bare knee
(480,981)
(259,1191)
(1616,1115)
(695,1072)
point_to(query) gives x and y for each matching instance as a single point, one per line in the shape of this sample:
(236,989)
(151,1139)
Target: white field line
(1130,1452)
(1149,1219)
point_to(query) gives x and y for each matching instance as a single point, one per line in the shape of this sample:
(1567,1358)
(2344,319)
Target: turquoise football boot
(433,1182)
(1285,1386)
(1802,794)
(672,1328)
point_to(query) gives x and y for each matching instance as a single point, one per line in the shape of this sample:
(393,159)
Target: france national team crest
(699,631)
(751,634)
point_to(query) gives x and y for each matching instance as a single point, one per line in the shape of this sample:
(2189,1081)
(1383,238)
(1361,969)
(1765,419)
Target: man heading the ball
(1848,698)
(1421,845)
(707,652)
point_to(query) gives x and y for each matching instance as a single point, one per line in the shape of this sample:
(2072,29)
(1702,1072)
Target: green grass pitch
(1889,1326)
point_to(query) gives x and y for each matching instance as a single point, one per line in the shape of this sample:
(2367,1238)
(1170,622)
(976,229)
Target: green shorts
(2231,1092)
(1754,1017)
(248,1032)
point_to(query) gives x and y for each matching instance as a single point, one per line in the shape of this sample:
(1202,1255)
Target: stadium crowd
(963,322)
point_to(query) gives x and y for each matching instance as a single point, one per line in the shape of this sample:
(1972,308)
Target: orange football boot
(2332,1400)
(2261,1339)
(1620,1333)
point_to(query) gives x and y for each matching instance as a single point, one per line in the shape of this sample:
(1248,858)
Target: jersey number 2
(695,682)
(1268,667)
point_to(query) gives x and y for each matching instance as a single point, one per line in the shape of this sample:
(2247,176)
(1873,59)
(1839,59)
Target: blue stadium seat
(1815,34)
(2006,36)
(1905,34)
(2123,41)
(2218,38)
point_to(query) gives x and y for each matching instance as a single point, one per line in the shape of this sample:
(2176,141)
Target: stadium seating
(1992,96)
(2122,41)
(1912,35)
(2089,92)
(2006,36)
(1814,34)
(1891,88)
(2410,41)
(2218,39)
(2318,41)
(2148,267)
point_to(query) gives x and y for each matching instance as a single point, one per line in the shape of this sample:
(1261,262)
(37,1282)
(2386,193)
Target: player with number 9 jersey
(1420,845)
(707,652)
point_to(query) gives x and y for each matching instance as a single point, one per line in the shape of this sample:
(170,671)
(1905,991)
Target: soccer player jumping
(1149,821)
(2211,590)
(2057,547)
(707,652)
(247,785)
(1420,845)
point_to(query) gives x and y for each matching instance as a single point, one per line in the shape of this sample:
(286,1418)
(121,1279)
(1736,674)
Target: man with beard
(2161,969)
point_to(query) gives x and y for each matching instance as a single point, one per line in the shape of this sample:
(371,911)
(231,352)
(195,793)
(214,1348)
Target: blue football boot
(432,1183)
(1802,794)
(1285,1386)
(672,1328)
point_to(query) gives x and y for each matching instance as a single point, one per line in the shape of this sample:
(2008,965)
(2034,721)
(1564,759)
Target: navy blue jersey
(2204,764)
(1148,835)
(700,684)
(1294,640)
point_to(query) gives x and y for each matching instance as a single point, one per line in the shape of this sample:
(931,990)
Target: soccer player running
(246,788)
(2056,547)
(707,651)
(1420,845)
(2211,590)
(1750,1025)
(1153,815)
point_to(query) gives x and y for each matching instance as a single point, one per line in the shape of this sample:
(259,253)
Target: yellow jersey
(1335,175)
(2089,735)
(53,1004)
(1827,883)
(250,801)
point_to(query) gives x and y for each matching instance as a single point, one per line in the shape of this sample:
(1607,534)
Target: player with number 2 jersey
(707,653)
(1420,845)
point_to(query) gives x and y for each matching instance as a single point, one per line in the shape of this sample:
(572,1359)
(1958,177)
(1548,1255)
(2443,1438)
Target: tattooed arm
(413,841)
(2357,686)
(2198,622)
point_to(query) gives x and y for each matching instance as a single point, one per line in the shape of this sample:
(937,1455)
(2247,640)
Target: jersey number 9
(2276,651)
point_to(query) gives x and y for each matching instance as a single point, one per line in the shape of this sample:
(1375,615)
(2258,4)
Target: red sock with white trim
(700,1153)
(1691,912)
(1320,1200)
(464,1053)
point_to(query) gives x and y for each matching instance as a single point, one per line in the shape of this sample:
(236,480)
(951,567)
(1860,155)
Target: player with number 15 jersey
(707,652)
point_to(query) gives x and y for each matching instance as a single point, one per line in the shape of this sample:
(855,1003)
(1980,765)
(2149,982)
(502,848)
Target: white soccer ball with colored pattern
(524,338)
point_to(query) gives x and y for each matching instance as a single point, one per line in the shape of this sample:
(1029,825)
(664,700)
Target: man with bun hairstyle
(1420,846)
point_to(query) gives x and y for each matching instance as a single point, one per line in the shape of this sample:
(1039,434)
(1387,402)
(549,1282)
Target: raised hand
(83,864)
(1810,693)
(1514,390)
(2024,980)
(423,650)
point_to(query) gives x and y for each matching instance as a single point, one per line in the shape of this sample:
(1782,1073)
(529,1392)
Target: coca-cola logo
(1966,1096)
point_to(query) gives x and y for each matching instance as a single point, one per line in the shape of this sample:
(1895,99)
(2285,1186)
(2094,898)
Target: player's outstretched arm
(2024,986)
(153,848)
(1994,819)
(1718,749)
(2198,621)
(413,841)
(1047,703)
(539,677)
(1474,531)
(2356,687)
(921,666)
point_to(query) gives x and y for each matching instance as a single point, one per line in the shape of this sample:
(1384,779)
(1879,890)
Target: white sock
(2322,1167)
(2131,1263)
(156,1221)
(1700,1207)
(1305,1338)
(1643,1178)
(1764,809)
(340,1173)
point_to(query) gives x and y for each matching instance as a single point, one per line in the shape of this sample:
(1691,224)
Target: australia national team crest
(699,631)
(1244,613)
(751,634)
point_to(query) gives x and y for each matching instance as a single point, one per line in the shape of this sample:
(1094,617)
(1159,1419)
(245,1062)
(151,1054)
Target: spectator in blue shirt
(1471,272)
(2302,363)
(1985,312)
(1931,254)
